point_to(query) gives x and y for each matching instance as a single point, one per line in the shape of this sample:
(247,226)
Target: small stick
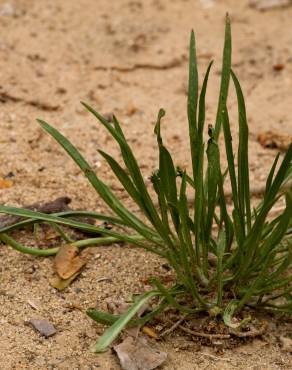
(173,327)
(204,335)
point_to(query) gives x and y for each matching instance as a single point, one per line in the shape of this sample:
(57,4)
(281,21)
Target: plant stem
(92,242)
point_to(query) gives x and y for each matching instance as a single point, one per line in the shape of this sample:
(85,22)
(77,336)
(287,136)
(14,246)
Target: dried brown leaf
(138,355)
(61,284)
(68,262)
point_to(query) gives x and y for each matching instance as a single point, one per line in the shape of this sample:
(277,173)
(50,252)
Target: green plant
(250,253)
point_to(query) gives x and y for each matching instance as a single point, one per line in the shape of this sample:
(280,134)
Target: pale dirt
(54,54)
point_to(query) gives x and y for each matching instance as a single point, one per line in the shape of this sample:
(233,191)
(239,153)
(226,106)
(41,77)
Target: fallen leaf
(263,5)
(67,261)
(138,355)
(61,284)
(286,344)
(44,327)
(5,184)
(271,139)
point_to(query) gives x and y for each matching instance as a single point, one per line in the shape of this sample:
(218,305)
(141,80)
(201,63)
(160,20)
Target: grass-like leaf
(111,334)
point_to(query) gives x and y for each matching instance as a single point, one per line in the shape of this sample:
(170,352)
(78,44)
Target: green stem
(52,251)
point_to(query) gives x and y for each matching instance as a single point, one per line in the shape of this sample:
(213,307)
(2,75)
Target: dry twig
(204,335)
(173,327)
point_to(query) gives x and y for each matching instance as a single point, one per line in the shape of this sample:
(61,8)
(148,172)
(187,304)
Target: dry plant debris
(273,140)
(68,265)
(61,284)
(68,261)
(138,355)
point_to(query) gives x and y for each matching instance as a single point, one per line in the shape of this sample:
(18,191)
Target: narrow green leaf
(157,185)
(102,189)
(225,77)
(271,174)
(111,334)
(135,173)
(243,165)
(219,267)
(72,223)
(202,105)
(212,185)
(167,173)
(106,318)
(230,157)
(125,181)
(193,100)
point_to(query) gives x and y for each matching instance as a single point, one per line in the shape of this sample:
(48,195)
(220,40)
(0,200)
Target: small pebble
(43,327)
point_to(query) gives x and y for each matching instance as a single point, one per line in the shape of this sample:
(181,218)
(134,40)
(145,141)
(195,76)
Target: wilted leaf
(60,283)
(4,184)
(271,139)
(68,262)
(138,355)
(43,327)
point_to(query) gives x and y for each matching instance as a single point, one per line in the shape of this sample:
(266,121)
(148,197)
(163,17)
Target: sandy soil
(130,58)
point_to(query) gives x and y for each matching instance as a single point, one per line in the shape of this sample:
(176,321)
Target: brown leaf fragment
(138,355)
(271,139)
(44,327)
(68,262)
(61,284)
